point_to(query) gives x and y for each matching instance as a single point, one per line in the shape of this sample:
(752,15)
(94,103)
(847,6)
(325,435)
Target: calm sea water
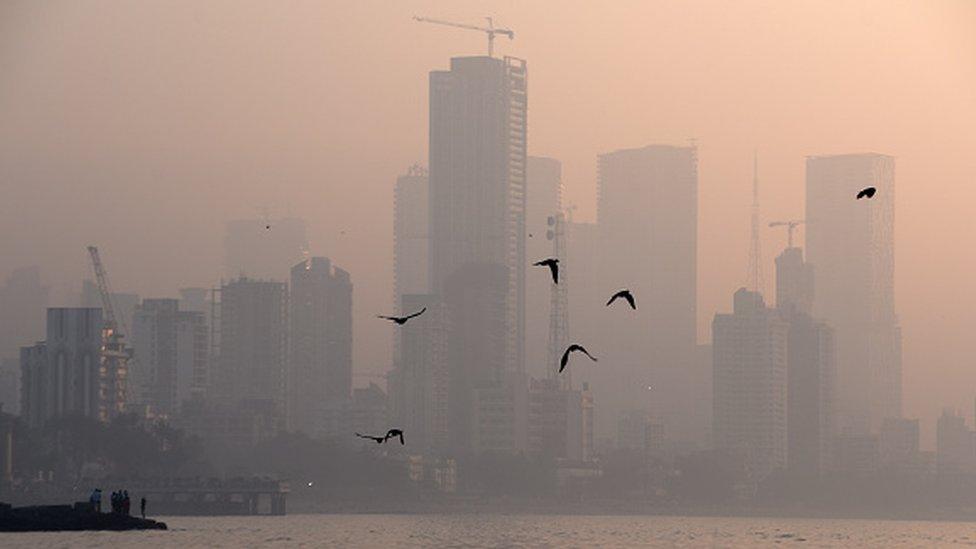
(513,531)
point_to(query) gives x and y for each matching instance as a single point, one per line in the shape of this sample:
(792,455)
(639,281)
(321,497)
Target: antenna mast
(754,281)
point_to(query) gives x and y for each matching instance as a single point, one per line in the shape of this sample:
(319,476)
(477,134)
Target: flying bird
(393,433)
(626,295)
(267,227)
(553,265)
(570,349)
(868,192)
(401,320)
(379,440)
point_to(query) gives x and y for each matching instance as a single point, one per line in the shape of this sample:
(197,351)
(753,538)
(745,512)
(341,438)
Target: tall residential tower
(647,213)
(320,366)
(850,244)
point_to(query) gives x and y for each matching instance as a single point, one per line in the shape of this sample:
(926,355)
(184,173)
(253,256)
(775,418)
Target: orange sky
(142,126)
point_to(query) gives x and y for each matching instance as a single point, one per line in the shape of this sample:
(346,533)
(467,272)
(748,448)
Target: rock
(80,516)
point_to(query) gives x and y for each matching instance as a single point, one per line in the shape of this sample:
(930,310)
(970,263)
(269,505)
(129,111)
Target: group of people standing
(120,502)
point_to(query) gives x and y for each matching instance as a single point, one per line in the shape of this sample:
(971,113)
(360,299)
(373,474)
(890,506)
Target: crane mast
(490,30)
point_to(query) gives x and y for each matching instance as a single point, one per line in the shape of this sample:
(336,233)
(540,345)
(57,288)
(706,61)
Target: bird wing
(585,352)
(393,318)
(630,299)
(564,360)
(621,293)
(418,313)
(554,267)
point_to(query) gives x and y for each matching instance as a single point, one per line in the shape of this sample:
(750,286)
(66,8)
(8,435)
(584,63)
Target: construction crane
(101,279)
(490,30)
(790,224)
(113,373)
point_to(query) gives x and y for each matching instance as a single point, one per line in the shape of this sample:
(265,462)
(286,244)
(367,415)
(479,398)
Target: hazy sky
(143,126)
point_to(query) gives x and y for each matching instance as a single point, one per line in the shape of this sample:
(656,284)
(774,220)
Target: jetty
(59,518)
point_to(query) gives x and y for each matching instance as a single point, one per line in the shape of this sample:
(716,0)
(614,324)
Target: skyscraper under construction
(477,205)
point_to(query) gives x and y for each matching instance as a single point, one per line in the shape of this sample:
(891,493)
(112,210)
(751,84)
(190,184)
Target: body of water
(473,530)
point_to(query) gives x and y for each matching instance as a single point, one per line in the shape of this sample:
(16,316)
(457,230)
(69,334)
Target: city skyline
(721,159)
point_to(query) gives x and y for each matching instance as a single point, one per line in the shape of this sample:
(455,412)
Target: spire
(754,279)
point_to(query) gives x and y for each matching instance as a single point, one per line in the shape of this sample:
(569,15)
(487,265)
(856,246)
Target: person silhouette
(96,499)
(142,506)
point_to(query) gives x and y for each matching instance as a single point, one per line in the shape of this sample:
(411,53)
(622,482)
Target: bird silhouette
(393,433)
(379,440)
(553,265)
(572,348)
(267,226)
(401,320)
(626,295)
(868,192)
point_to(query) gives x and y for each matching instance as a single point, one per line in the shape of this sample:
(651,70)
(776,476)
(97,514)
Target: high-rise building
(749,350)
(856,455)
(411,252)
(955,452)
(195,299)
(365,412)
(410,235)
(811,369)
(251,369)
(321,342)
(898,445)
(478,182)
(419,381)
(477,204)
(647,213)
(794,282)
(61,375)
(171,349)
(263,248)
(560,421)
(543,203)
(23,300)
(475,319)
(810,394)
(10,385)
(500,415)
(850,244)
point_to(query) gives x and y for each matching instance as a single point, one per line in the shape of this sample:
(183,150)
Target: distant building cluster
(808,384)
